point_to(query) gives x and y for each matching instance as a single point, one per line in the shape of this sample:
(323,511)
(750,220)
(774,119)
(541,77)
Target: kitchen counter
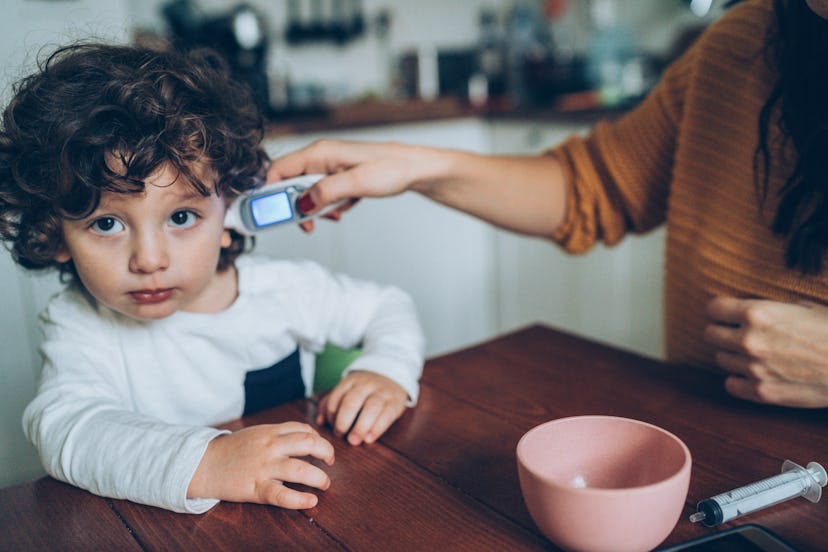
(381,113)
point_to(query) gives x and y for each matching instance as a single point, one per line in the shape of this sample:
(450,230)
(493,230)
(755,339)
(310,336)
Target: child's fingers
(334,401)
(349,407)
(303,443)
(371,410)
(320,412)
(387,417)
(293,427)
(293,470)
(330,403)
(374,420)
(273,492)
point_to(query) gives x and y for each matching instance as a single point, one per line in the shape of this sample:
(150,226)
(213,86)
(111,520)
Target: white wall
(17,375)
(611,294)
(29,26)
(26,27)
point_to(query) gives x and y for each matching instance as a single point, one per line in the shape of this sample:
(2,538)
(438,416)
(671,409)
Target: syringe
(794,481)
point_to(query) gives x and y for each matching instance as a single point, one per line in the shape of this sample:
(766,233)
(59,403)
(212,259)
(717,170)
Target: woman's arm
(522,194)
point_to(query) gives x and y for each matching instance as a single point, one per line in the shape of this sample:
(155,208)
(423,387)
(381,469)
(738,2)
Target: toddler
(117,164)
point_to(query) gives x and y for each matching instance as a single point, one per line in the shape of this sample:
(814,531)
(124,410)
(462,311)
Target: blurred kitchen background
(302,55)
(492,76)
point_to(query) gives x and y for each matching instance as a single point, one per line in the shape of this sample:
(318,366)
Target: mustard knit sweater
(684,157)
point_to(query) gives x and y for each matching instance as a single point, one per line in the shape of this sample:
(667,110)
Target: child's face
(150,254)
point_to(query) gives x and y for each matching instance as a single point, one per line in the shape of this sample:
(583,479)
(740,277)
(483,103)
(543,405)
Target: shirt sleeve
(81,422)
(349,312)
(393,344)
(618,176)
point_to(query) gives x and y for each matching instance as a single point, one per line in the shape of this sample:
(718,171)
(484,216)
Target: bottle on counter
(613,60)
(488,83)
(521,40)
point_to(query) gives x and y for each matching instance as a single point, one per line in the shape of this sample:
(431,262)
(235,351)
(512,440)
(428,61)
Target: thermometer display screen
(271,209)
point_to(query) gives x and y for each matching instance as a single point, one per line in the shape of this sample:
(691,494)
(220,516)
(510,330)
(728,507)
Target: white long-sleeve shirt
(124,407)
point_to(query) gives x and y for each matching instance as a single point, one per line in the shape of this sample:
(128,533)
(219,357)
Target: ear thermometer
(271,205)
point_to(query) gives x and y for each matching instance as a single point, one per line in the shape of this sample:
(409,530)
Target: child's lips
(151,296)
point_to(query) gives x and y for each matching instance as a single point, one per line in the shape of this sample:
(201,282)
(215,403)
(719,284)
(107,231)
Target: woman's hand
(363,405)
(252,465)
(775,352)
(355,170)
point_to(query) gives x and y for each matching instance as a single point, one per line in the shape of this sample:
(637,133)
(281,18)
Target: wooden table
(444,477)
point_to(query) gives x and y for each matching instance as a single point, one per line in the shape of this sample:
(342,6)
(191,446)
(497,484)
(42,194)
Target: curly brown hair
(89,102)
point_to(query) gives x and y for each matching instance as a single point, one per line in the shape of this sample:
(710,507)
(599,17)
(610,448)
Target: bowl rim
(683,471)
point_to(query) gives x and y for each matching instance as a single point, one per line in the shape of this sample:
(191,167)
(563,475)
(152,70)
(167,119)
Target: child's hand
(252,464)
(365,403)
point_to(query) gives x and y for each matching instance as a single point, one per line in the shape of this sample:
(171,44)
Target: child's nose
(149,252)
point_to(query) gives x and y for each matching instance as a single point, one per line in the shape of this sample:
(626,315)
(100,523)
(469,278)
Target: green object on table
(330,364)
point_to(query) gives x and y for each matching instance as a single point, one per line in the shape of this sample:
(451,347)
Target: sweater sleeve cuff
(565,228)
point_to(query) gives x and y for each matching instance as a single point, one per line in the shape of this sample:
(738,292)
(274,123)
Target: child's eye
(183,219)
(107,225)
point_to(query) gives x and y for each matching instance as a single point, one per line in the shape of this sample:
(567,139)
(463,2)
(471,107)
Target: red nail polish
(305,204)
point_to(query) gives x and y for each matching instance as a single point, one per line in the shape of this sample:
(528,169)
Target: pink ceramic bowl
(603,483)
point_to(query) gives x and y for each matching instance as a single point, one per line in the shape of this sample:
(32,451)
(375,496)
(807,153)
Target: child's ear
(62,255)
(226,239)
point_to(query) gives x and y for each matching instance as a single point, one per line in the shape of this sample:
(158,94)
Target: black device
(240,35)
(744,538)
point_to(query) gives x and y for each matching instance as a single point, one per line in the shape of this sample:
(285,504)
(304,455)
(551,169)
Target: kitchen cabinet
(613,294)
